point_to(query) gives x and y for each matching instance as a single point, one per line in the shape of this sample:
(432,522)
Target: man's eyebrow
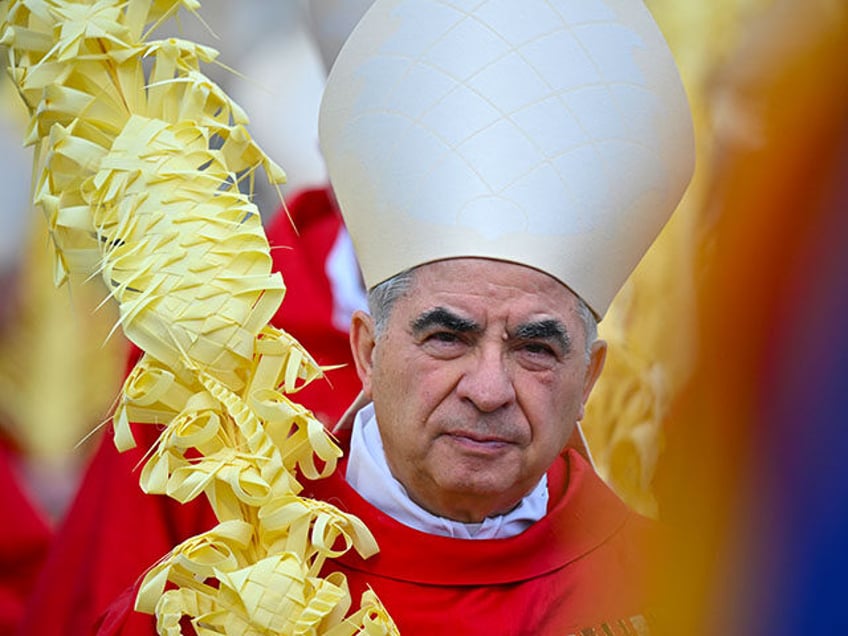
(550,329)
(441,317)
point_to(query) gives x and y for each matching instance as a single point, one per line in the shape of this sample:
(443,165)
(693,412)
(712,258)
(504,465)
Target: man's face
(477,380)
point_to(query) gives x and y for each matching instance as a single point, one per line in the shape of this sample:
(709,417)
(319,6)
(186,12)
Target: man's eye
(444,344)
(538,348)
(443,336)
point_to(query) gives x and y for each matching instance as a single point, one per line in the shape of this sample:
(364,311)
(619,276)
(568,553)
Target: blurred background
(722,407)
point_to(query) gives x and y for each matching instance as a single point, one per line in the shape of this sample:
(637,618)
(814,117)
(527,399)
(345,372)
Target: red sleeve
(120,619)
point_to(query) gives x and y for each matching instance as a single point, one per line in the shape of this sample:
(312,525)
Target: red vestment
(585,565)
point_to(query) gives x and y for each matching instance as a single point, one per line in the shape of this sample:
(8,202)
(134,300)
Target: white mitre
(551,133)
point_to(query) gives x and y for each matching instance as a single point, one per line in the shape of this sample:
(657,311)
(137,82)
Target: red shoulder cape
(585,565)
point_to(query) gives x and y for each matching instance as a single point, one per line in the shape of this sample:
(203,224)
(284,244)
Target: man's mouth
(478,443)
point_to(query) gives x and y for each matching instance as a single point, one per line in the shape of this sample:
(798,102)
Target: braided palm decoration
(138,171)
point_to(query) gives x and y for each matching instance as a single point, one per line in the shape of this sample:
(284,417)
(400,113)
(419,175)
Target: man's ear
(597,357)
(363,338)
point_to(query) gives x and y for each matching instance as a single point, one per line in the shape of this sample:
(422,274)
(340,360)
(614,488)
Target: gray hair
(382,297)
(590,325)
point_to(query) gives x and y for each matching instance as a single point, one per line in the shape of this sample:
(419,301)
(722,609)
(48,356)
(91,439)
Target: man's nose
(486,381)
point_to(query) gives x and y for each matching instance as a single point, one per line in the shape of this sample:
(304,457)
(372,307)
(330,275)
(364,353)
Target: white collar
(368,473)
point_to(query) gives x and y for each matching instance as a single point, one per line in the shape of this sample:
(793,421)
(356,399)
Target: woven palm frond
(139,162)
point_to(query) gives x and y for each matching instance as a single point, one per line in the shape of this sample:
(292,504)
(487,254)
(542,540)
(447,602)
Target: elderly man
(501,168)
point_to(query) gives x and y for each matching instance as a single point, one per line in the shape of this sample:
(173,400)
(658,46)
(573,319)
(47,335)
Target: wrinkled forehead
(491,286)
